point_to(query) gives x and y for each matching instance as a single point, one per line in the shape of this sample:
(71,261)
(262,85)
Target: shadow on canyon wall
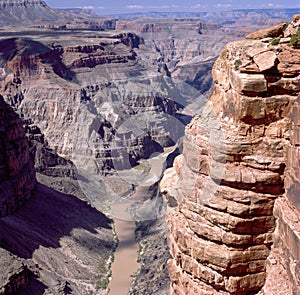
(46,218)
(32,53)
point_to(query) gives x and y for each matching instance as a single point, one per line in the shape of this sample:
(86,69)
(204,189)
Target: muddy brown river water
(125,263)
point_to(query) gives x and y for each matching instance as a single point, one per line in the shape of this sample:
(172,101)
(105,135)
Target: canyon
(88,103)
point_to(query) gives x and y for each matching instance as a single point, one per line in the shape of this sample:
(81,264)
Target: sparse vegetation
(102,284)
(104,273)
(275,41)
(237,64)
(295,39)
(287,65)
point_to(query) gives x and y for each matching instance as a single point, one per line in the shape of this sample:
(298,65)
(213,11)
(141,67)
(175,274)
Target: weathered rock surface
(185,49)
(230,177)
(17,175)
(94,83)
(82,93)
(293,26)
(62,250)
(49,248)
(46,160)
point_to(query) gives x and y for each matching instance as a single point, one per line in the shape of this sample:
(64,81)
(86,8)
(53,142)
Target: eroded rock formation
(223,229)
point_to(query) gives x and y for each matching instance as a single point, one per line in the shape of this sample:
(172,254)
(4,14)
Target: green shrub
(275,41)
(295,39)
(237,64)
(102,284)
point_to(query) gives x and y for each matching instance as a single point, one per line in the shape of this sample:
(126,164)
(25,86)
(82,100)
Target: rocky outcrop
(270,32)
(45,246)
(17,175)
(231,174)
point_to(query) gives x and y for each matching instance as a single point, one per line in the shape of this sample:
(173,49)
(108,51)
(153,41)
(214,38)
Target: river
(125,259)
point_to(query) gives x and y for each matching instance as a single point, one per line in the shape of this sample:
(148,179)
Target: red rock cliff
(229,178)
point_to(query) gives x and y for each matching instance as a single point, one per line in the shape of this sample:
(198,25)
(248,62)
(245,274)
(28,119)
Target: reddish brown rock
(289,62)
(285,253)
(275,31)
(266,60)
(292,28)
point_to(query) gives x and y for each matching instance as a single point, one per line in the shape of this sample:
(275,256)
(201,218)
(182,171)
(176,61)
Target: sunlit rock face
(17,175)
(233,215)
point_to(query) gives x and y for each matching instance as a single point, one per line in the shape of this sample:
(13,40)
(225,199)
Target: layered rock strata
(17,174)
(45,245)
(226,187)
(92,89)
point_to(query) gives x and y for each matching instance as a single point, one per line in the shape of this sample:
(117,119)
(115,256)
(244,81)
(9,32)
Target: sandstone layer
(222,231)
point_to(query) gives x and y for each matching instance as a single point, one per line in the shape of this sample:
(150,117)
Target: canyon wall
(42,230)
(90,89)
(229,180)
(17,175)
(14,274)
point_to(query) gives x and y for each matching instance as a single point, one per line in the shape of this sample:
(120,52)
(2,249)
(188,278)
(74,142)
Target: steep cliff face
(41,237)
(17,175)
(227,185)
